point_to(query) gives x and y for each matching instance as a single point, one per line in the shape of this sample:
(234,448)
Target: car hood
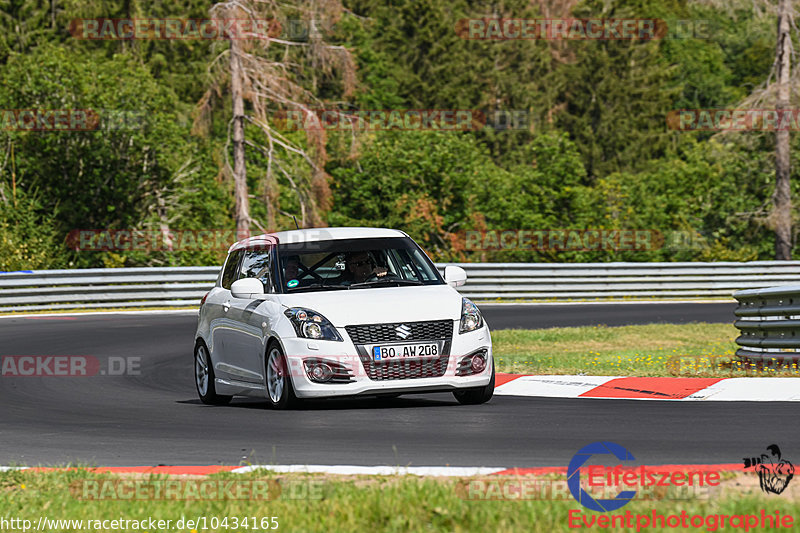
(381,305)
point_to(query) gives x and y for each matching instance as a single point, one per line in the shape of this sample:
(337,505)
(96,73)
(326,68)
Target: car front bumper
(345,353)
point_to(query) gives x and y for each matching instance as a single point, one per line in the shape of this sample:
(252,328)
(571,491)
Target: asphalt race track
(504,316)
(154,417)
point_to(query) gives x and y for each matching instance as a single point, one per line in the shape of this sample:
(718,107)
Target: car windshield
(354,264)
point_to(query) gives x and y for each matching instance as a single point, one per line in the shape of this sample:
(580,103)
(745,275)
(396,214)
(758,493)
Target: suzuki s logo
(403,331)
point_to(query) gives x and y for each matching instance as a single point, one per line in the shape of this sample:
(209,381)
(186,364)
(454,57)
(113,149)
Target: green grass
(694,350)
(363,503)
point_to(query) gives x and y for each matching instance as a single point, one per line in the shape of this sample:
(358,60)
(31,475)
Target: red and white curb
(651,388)
(429,471)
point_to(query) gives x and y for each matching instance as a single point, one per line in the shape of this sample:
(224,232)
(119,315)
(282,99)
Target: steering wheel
(376,277)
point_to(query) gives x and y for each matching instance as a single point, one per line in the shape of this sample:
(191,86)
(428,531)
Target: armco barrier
(185,286)
(769,322)
(622,280)
(105,287)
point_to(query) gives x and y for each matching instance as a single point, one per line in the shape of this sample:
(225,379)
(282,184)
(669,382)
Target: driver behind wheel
(292,268)
(360,266)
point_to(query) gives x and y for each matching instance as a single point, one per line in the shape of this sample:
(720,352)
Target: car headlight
(471,318)
(311,325)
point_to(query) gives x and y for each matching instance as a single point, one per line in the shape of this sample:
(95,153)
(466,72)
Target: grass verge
(687,350)
(340,503)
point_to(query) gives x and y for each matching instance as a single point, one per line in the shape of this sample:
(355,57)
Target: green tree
(536,191)
(120,175)
(28,241)
(419,182)
(414,54)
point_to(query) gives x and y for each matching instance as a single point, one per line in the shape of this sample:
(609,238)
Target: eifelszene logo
(774,472)
(574,476)
(644,482)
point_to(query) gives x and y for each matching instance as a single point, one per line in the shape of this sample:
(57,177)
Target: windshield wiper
(316,286)
(385,282)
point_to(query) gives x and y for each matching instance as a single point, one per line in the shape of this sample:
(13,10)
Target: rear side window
(229,275)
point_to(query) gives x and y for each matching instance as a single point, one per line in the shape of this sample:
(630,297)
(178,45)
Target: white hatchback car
(339,312)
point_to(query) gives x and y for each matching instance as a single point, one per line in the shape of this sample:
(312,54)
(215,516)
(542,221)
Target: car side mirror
(248,288)
(455,276)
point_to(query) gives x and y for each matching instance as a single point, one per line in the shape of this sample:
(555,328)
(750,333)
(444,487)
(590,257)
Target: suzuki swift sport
(339,312)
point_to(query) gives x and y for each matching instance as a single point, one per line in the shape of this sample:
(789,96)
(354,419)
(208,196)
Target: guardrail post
(769,324)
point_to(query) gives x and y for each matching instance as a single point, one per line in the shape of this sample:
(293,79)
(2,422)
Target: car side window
(229,275)
(258,264)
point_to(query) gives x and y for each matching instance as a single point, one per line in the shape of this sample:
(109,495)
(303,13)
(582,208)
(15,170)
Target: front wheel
(204,377)
(477,395)
(279,384)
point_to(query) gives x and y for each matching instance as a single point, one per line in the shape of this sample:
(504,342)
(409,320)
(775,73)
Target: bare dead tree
(278,73)
(778,91)
(782,197)
(241,201)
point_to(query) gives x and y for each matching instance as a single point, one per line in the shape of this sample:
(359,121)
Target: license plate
(398,352)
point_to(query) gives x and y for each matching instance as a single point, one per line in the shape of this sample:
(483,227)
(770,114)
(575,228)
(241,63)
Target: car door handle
(226,306)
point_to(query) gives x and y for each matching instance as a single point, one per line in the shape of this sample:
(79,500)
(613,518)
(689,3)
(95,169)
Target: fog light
(321,372)
(478,364)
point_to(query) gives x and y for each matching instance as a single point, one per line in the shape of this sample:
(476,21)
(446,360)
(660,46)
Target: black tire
(477,395)
(204,377)
(277,371)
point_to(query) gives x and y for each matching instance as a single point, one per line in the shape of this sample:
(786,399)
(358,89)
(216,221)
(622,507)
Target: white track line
(376,470)
(518,304)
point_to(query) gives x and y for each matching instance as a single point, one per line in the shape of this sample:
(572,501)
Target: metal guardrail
(623,280)
(769,322)
(105,287)
(185,286)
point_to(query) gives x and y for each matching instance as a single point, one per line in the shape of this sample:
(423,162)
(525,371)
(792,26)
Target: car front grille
(429,368)
(368,334)
(417,331)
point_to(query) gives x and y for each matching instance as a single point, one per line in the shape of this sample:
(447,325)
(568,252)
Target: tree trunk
(782,198)
(242,204)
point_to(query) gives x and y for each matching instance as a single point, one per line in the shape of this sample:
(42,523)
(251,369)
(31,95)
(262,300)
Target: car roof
(315,235)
